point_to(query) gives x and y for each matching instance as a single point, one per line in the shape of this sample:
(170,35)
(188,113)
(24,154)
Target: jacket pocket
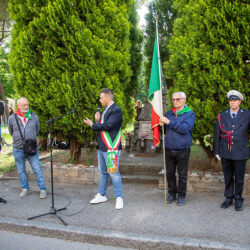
(245,151)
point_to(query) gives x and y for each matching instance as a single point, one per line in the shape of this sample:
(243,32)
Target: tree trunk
(4,100)
(75,150)
(213,162)
(44,143)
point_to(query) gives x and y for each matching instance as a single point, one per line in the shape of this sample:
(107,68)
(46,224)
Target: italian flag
(155,93)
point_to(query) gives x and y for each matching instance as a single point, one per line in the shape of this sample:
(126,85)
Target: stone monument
(141,139)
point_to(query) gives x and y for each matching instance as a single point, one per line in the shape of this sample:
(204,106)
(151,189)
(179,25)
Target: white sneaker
(24,193)
(43,194)
(119,203)
(98,199)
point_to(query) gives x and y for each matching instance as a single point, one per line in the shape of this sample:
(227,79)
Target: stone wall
(208,182)
(79,174)
(69,173)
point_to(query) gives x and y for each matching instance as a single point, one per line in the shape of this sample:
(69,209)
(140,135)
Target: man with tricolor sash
(108,125)
(178,124)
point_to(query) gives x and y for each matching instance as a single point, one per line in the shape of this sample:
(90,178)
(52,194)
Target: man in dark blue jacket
(231,147)
(108,125)
(178,126)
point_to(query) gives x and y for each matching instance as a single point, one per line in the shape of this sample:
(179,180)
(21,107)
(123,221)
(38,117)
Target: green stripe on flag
(154,84)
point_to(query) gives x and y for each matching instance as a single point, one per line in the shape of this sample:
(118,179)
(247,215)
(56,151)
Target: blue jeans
(104,176)
(35,164)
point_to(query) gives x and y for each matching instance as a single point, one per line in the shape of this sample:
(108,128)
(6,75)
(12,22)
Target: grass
(197,153)
(88,157)
(198,157)
(7,162)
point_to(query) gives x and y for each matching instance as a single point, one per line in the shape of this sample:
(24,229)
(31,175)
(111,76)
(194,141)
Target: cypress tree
(5,77)
(166,16)
(209,57)
(63,53)
(136,39)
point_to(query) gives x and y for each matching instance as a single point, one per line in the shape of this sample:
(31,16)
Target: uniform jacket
(30,131)
(112,124)
(240,128)
(178,133)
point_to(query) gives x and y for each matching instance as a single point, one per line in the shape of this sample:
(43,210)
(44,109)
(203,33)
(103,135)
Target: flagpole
(163,134)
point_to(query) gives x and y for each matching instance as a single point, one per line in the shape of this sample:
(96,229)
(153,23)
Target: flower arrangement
(143,135)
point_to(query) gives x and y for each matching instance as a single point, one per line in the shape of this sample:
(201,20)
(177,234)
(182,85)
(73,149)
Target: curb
(111,238)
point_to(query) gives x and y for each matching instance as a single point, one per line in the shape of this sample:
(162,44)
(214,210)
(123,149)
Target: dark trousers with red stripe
(234,173)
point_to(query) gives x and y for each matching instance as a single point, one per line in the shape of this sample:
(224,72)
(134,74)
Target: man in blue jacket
(108,125)
(178,124)
(231,147)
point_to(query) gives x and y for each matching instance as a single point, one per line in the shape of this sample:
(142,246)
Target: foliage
(136,39)
(5,21)
(5,75)
(141,94)
(64,52)
(7,162)
(209,57)
(166,16)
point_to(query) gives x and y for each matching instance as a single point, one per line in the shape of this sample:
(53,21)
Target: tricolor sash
(112,159)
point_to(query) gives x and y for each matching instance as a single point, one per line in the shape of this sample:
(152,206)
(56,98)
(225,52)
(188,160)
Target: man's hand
(97,116)
(88,121)
(37,141)
(164,120)
(218,157)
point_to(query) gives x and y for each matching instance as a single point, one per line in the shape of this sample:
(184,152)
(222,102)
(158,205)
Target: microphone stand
(53,210)
(2,141)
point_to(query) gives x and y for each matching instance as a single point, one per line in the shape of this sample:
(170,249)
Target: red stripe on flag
(155,128)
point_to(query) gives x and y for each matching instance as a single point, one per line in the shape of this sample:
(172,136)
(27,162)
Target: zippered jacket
(30,131)
(178,133)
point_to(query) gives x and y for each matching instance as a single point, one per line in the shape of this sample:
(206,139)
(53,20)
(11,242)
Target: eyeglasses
(177,99)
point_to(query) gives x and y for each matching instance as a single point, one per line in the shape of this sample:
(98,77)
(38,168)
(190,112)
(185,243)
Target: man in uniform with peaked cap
(231,147)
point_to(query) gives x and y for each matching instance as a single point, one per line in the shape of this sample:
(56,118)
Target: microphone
(97,116)
(72,111)
(1,108)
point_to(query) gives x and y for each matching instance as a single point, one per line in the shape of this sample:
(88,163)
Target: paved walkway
(144,223)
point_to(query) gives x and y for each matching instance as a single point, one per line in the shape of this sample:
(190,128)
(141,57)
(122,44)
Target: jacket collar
(239,114)
(110,107)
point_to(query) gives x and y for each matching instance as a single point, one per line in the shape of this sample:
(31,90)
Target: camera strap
(19,128)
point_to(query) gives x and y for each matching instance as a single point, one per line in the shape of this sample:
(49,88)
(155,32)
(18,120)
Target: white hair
(20,99)
(183,95)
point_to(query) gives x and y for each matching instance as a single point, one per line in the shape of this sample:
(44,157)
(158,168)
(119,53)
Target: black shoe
(170,198)
(238,205)
(227,203)
(2,201)
(181,201)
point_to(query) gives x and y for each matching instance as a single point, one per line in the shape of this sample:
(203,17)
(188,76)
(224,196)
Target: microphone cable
(70,202)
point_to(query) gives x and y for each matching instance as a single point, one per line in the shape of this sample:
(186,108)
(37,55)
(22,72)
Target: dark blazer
(112,124)
(240,129)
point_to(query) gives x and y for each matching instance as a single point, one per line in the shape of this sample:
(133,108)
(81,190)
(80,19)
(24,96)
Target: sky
(142,11)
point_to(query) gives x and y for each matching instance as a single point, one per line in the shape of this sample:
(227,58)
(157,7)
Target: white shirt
(108,107)
(231,113)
